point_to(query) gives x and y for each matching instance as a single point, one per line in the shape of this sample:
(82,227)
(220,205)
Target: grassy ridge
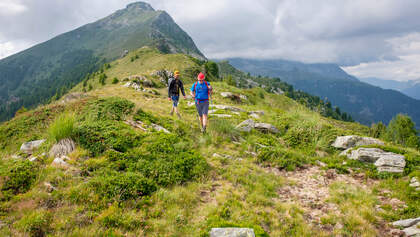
(129,182)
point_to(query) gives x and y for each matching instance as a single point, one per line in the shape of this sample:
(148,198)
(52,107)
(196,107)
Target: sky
(367,38)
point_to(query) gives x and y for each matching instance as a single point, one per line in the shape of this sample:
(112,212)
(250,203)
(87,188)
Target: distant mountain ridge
(410,88)
(34,75)
(366,103)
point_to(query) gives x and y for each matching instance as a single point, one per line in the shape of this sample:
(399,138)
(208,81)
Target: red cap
(201,76)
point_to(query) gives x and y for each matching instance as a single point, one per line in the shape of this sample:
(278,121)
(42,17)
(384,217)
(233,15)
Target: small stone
(226,94)
(406,223)
(61,162)
(320,163)
(266,127)
(246,126)
(159,128)
(412,231)
(331,174)
(243,97)
(33,158)
(232,232)
(222,115)
(16,157)
(413,180)
(415,185)
(254,116)
(29,147)
(49,188)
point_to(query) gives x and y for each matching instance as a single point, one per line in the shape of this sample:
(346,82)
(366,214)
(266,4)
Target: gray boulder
(232,232)
(228,107)
(384,161)
(159,128)
(222,115)
(29,147)
(246,126)
(346,142)
(406,223)
(414,183)
(63,147)
(226,94)
(266,127)
(412,231)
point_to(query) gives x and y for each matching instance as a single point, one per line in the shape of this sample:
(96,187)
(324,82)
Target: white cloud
(368,34)
(11,7)
(406,68)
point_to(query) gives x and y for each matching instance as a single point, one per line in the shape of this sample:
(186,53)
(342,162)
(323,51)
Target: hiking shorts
(202,107)
(175,100)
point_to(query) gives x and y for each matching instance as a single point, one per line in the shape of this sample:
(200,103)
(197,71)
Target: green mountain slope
(125,178)
(36,74)
(366,103)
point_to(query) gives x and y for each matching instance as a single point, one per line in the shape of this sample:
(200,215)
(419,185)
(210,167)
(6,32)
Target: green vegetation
(62,127)
(134,181)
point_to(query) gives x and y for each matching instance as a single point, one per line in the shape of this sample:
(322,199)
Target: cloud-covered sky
(368,38)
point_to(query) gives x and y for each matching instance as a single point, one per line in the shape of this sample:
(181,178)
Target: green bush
(115,80)
(18,177)
(122,186)
(144,117)
(282,158)
(98,136)
(62,127)
(168,160)
(402,130)
(112,108)
(35,224)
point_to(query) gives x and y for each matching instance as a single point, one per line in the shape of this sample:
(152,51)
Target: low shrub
(98,136)
(122,186)
(115,217)
(62,127)
(35,224)
(18,177)
(144,117)
(282,158)
(112,108)
(115,80)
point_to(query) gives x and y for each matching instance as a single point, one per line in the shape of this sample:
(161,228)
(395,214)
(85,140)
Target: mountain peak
(140,5)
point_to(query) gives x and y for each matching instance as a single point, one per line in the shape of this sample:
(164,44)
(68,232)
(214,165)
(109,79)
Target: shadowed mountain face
(410,88)
(365,103)
(36,74)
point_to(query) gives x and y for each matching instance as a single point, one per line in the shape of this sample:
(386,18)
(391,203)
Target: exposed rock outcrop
(346,142)
(63,147)
(249,124)
(384,161)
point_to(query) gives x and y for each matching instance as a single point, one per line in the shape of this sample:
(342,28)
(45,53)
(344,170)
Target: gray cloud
(347,32)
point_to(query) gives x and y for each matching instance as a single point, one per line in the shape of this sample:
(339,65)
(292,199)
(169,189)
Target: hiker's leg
(205,119)
(201,120)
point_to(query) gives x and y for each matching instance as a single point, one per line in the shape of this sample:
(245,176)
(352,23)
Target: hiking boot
(203,130)
(171,113)
(179,115)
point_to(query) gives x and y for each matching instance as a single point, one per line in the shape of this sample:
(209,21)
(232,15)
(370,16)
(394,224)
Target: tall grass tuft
(62,127)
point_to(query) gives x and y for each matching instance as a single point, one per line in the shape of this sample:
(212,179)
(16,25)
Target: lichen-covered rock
(29,147)
(384,161)
(228,107)
(406,223)
(232,232)
(246,126)
(63,147)
(266,127)
(159,128)
(61,162)
(346,142)
(226,94)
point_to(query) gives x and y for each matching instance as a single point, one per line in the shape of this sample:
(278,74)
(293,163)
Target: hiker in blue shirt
(201,91)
